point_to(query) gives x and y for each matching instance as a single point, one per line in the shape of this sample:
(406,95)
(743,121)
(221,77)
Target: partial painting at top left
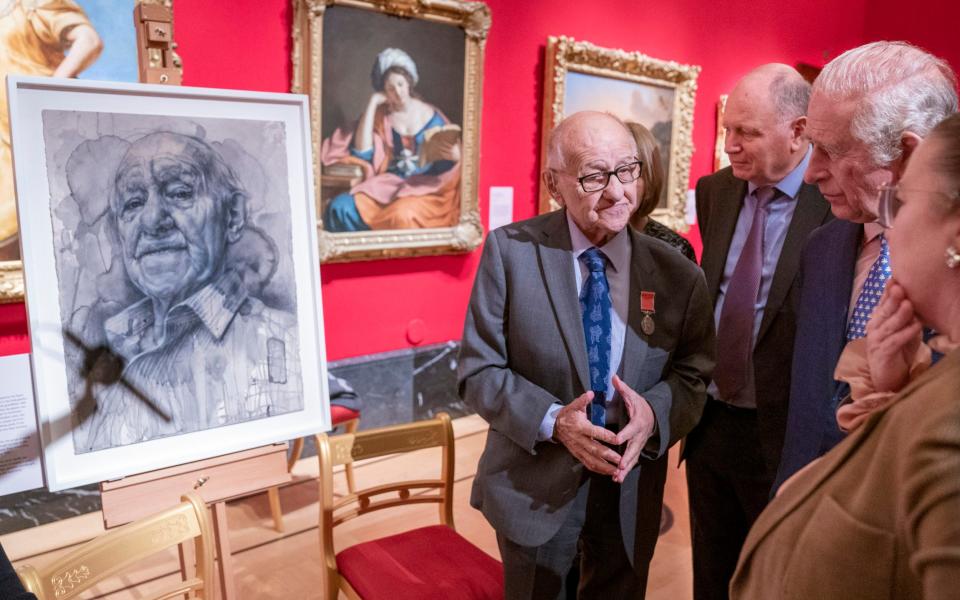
(89,39)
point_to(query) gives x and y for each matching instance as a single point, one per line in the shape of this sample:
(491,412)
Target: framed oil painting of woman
(86,39)
(656,93)
(395,89)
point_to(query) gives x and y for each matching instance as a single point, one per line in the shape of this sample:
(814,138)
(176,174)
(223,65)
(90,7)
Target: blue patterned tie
(870,294)
(595,308)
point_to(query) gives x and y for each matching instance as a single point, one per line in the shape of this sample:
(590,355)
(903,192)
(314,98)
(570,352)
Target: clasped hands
(585,441)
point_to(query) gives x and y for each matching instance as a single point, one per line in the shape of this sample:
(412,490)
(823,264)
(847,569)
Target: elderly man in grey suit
(587,347)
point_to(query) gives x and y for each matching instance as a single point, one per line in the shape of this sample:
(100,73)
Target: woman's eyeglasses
(888,205)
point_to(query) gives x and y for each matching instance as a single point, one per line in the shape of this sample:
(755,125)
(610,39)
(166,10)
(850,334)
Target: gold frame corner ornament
(307,78)
(11,281)
(564,54)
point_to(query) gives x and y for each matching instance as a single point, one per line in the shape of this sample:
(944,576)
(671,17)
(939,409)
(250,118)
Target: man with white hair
(869,109)
(587,347)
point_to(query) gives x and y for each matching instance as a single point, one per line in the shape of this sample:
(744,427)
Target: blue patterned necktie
(870,294)
(595,308)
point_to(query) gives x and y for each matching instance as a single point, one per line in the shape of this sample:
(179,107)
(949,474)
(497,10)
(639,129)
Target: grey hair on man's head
(791,95)
(898,88)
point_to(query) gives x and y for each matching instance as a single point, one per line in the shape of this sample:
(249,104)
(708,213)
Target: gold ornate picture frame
(11,271)
(382,190)
(720,158)
(657,93)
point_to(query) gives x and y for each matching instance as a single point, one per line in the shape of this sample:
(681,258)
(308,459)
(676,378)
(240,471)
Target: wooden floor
(269,564)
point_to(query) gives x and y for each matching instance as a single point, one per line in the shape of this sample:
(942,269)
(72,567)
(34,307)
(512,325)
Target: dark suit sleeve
(10,586)
(677,400)
(703,206)
(512,404)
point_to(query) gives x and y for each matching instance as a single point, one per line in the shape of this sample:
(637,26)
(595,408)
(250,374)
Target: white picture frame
(65,135)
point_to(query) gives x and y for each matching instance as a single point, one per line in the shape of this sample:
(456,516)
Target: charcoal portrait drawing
(174,261)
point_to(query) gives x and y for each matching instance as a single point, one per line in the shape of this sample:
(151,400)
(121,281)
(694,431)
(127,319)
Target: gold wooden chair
(423,563)
(339,415)
(109,554)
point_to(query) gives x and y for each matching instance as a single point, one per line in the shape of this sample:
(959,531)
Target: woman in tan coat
(879,515)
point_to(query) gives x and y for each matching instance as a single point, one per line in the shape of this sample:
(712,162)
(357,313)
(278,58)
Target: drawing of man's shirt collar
(224,357)
(128,332)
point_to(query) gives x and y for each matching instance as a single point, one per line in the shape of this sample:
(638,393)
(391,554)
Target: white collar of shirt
(617,250)
(790,184)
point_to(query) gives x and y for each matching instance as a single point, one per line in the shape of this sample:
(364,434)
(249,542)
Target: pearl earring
(953,257)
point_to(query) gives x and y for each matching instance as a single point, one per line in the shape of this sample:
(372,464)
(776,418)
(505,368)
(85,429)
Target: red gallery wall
(931,24)
(369,306)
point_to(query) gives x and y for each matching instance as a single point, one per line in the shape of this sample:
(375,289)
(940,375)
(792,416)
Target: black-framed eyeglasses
(888,205)
(594,182)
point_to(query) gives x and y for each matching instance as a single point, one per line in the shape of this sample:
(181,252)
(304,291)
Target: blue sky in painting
(113,20)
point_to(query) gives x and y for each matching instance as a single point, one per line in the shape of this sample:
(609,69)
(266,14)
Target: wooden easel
(215,479)
(155,55)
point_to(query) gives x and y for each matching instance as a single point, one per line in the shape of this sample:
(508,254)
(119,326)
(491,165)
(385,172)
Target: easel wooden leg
(273,495)
(221,533)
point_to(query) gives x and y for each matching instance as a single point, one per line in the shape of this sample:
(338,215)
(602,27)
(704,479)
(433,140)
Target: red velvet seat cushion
(339,414)
(421,564)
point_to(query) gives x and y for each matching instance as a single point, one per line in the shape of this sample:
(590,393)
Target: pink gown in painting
(397,191)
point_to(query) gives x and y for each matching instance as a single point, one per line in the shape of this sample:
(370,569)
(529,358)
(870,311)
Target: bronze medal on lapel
(647,307)
(647,325)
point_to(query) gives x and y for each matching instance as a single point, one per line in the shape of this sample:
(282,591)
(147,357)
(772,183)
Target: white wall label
(19,443)
(501,206)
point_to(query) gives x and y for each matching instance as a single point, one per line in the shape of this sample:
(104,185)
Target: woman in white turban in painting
(409,154)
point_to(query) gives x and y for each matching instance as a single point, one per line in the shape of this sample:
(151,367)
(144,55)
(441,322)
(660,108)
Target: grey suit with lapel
(523,350)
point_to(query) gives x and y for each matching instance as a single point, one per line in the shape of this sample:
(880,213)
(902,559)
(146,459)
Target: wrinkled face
(841,165)
(759,143)
(173,233)
(597,144)
(923,229)
(396,88)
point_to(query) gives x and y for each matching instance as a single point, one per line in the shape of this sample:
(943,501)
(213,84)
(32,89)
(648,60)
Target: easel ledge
(215,479)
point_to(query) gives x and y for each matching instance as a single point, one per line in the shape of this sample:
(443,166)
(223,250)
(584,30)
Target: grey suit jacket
(523,349)
(719,200)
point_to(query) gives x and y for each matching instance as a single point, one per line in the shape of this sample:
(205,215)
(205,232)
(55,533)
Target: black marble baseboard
(394,387)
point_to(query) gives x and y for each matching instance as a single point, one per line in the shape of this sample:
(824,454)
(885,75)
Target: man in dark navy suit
(870,108)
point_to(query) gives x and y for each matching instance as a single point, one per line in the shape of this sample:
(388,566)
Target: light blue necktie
(595,308)
(870,294)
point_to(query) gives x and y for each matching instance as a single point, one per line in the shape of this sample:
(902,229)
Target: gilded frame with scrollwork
(307,55)
(565,55)
(720,158)
(11,271)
